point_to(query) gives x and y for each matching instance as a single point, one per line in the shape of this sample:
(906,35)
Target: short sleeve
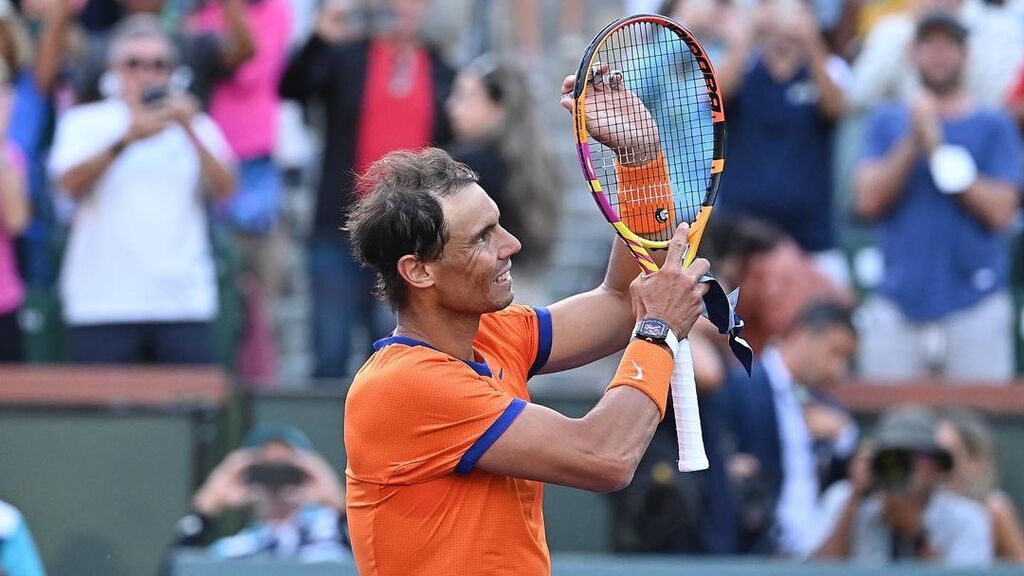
(415,421)
(884,126)
(213,138)
(1002,158)
(82,133)
(520,335)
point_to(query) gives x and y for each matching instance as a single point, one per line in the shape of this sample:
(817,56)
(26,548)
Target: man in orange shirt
(446,455)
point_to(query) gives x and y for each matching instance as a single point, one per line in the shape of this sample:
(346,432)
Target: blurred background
(180,314)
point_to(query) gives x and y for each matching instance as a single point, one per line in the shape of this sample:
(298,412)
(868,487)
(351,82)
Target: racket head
(666,71)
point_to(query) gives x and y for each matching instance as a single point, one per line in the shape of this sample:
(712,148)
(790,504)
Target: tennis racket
(646,85)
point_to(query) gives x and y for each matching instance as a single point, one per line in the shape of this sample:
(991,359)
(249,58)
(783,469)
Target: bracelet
(118,147)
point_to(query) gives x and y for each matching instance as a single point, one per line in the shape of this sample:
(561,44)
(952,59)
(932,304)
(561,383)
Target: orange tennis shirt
(416,422)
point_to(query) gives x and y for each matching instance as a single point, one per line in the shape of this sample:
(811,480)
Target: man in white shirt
(138,281)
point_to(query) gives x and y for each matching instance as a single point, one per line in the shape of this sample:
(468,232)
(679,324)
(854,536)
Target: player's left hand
(617,117)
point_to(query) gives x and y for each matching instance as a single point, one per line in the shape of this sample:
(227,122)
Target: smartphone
(154,96)
(275,476)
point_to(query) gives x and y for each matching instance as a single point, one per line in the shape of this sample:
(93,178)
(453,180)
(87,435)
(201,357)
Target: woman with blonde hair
(975,474)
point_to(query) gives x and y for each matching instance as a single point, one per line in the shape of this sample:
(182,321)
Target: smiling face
(473,274)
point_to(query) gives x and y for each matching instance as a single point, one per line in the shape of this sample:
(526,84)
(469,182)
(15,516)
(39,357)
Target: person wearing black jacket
(380,94)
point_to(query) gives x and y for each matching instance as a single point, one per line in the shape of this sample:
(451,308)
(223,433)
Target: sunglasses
(155,64)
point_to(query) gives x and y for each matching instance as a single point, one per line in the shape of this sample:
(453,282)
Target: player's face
(940,61)
(474,272)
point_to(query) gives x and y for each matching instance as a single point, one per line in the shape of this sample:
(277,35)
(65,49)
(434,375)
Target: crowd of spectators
(135,133)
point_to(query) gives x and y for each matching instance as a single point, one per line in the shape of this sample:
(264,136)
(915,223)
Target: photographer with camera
(894,506)
(294,496)
(137,282)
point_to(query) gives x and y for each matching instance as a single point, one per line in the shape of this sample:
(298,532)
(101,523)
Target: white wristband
(953,169)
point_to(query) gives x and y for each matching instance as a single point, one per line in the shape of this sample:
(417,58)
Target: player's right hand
(673,294)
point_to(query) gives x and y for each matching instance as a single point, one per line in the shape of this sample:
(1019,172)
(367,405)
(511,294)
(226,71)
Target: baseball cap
(275,432)
(911,428)
(941,21)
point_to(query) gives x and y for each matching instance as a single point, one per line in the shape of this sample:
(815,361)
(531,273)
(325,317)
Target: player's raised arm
(594,324)
(600,451)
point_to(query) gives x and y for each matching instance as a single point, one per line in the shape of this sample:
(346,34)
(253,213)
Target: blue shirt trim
(489,437)
(480,368)
(543,340)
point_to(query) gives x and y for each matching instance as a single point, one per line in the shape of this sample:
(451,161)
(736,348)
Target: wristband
(118,147)
(647,367)
(953,169)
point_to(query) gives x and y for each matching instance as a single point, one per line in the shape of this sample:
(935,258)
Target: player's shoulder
(401,363)
(514,320)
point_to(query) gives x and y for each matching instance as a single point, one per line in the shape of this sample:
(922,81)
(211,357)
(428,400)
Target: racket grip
(692,456)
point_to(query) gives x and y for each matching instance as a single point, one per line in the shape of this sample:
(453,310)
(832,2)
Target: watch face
(652,328)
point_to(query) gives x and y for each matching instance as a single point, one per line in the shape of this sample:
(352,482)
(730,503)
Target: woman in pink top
(14,216)
(245,105)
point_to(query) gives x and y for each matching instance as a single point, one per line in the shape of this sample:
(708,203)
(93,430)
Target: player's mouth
(504,278)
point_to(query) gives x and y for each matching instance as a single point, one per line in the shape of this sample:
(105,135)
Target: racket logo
(709,77)
(661,215)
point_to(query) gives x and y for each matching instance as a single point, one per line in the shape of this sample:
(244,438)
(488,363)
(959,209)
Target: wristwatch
(657,331)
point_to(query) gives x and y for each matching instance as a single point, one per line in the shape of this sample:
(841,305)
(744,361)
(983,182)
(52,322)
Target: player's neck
(450,333)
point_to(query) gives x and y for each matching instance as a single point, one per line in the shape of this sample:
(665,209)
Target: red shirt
(398,103)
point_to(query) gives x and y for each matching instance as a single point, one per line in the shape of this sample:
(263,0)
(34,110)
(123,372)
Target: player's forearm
(878,185)
(994,203)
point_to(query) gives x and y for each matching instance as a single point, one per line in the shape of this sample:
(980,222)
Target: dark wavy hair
(399,213)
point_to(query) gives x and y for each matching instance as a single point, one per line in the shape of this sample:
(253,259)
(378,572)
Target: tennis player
(447,456)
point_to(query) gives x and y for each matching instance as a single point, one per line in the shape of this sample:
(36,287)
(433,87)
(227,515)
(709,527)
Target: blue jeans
(143,342)
(342,300)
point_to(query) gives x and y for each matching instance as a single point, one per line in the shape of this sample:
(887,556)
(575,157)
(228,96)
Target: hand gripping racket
(650,132)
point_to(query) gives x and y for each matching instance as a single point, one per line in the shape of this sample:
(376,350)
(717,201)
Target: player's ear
(415,272)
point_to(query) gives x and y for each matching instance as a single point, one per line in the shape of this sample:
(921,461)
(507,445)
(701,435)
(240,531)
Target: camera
(891,469)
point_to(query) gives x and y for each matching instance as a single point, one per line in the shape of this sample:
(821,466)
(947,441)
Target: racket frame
(638,245)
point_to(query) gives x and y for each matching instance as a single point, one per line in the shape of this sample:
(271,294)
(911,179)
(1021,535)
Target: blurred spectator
(777,278)
(885,70)
(940,177)
(496,134)
(772,422)
(206,57)
(784,93)
(14,217)
(33,75)
(896,508)
(138,280)
(968,438)
(246,106)
(382,94)
(296,500)
(18,554)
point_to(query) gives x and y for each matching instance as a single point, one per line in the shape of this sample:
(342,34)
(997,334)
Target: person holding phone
(137,282)
(295,499)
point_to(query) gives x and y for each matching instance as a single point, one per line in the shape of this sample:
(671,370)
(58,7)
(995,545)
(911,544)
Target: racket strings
(645,67)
